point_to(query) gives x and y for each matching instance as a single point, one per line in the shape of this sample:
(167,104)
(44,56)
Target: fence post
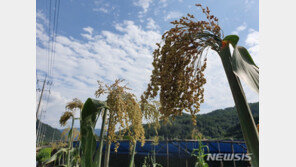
(221,162)
(186,156)
(179,154)
(168,158)
(232,150)
(209,151)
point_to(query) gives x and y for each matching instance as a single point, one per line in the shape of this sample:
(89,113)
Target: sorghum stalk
(101,138)
(244,113)
(133,154)
(107,153)
(70,144)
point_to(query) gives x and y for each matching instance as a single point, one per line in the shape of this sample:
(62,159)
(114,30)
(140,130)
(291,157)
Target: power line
(52,41)
(51,45)
(56,29)
(53,34)
(49,37)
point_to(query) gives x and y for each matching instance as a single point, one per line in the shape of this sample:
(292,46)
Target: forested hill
(97,131)
(50,133)
(218,124)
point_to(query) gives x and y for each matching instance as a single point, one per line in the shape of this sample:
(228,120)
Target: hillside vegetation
(49,132)
(218,124)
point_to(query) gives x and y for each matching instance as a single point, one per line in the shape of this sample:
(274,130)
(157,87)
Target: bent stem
(244,113)
(133,155)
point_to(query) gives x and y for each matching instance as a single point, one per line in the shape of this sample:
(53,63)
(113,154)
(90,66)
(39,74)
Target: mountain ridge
(217,124)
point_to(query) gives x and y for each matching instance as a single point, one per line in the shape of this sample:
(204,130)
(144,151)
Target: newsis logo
(229,157)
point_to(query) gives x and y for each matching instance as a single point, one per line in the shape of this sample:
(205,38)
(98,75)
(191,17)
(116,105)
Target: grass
(44,154)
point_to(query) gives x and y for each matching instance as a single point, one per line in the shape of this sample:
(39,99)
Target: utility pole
(39,130)
(41,95)
(40,99)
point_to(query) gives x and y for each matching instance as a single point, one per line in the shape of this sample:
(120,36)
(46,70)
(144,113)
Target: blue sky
(105,40)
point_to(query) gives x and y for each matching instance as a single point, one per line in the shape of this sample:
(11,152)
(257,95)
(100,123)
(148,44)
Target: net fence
(176,153)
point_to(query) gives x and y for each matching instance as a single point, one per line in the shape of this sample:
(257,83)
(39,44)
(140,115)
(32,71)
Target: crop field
(143,94)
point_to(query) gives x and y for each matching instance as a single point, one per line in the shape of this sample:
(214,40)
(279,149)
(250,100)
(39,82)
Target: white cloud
(164,3)
(173,15)
(125,54)
(151,24)
(252,38)
(104,10)
(52,106)
(252,43)
(87,36)
(88,29)
(143,3)
(217,92)
(239,29)
(102,6)
(249,4)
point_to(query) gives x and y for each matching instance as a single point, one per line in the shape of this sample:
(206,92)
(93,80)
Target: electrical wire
(52,28)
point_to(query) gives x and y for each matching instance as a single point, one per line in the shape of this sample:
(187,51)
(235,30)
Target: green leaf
(247,57)
(233,39)
(245,68)
(89,115)
(243,64)
(56,155)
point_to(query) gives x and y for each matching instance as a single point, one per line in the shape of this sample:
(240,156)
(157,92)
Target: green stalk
(107,154)
(133,155)
(101,139)
(244,113)
(70,143)
(79,147)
